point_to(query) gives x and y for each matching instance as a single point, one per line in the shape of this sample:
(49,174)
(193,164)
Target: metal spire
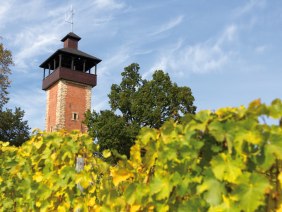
(69,17)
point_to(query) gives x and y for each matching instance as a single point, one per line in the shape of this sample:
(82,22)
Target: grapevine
(227,160)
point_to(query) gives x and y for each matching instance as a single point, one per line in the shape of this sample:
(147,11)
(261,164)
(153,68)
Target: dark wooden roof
(70,52)
(71,35)
(78,53)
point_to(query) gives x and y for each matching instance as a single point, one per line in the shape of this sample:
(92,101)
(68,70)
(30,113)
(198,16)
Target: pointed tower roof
(70,50)
(72,36)
(71,64)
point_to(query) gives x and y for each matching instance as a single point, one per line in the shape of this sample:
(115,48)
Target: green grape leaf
(274,144)
(129,194)
(213,191)
(221,131)
(265,159)
(160,186)
(253,137)
(227,205)
(226,168)
(146,135)
(200,121)
(250,191)
(275,109)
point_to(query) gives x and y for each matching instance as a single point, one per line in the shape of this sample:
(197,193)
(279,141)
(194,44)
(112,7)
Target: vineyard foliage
(227,160)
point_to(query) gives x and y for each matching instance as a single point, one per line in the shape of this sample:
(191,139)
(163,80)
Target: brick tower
(68,79)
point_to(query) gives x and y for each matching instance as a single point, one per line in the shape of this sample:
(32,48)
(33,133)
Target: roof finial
(69,17)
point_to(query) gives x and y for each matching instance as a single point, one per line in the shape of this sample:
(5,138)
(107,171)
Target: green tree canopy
(5,62)
(138,103)
(12,127)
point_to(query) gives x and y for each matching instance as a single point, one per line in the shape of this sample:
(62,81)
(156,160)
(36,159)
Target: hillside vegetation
(227,160)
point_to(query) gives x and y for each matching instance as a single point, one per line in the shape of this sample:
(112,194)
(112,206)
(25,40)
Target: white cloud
(108,4)
(4,8)
(204,57)
(261,49)
(38,45)
(35,41)
(249,6)
(200,58)
(31,104)
(228,35)
(44,31)
(22,11)
(169,25)
(115,59)
(32,30)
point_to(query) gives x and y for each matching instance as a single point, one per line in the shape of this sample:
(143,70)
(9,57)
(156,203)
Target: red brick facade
(66,104)
(51,108)
(68,80)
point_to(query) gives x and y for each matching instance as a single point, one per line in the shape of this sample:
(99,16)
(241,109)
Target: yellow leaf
(82,180)
(61,208)
(135,154)
(38,144)
(25,154)
(255,103)
(134,208)
(279,209)
(106,153)
(226,200)
(38,204)
(280,179)
(53,156)
(92,188)
(151,208)
(4,144)
(120,175)
(92,201)
(78,207)
(253,138)
(87,167)
(38,177)
(84,183)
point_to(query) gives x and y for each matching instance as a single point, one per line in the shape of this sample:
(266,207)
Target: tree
(12,127)
(5,61)
(111,131)
(140,103)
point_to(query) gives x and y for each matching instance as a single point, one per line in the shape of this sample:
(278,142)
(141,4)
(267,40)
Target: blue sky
(227,52)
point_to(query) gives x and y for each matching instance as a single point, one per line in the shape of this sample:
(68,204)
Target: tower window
(74,116)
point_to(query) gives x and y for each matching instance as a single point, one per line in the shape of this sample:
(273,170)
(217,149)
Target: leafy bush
(227,160)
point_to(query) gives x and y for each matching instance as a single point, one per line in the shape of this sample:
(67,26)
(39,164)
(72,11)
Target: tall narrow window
(74,116)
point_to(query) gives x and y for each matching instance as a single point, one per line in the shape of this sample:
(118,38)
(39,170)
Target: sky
(227,52)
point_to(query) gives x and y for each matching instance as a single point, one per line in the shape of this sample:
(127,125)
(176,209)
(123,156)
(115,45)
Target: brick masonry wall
(61,104)
(78,100)
(88,97)
(51,108)
(63,99)
(47,110)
